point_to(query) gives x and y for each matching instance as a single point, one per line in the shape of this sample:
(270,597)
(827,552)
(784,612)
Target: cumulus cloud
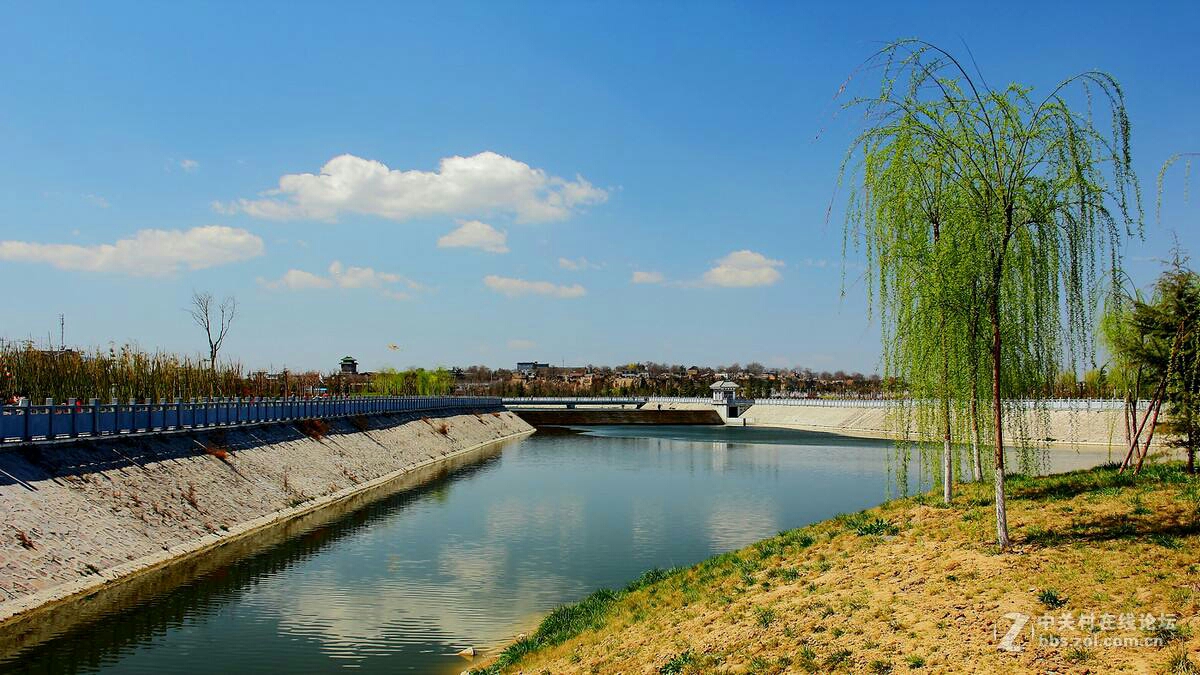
(341,276)
(744,268)
(578,264)
(462,186)
(640,277)
(149,253)
(296,280)
(189,165)
(475,234)
(518,287)
(521,344)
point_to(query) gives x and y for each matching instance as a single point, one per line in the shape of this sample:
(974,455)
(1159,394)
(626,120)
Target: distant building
(724,391)
(349,365)
(530,368)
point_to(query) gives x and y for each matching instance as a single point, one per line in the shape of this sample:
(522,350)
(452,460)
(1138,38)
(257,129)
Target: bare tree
(215,327)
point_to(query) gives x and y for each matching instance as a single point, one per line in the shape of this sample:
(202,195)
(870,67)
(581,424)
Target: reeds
(127,372)
(119,372)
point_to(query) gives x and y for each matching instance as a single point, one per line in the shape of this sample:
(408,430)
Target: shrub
(677,663)
(1165,540)
(314,429)
(880,667)
(875,526)
(190,496)
(765,616)
(1180,664)
(837,658)
(22,537)
(1051,599)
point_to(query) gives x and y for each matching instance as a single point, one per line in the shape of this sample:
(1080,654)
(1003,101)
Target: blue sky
(693,143)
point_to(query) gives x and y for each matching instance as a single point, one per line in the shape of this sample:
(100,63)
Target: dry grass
(314,429)
(190,496)
(25,539)
(915,586)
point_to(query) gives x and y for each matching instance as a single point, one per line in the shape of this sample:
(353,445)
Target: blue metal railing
(26,423)
(1078,404)
(596,400)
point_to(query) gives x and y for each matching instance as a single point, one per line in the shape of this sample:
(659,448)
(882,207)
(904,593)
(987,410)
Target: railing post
(94,403)
(23,404)
(74,432)
(49,418)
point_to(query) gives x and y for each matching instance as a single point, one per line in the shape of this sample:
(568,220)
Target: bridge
(590,410)
(577,401)
(25,423)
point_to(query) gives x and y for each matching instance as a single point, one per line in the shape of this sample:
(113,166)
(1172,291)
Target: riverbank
(1052,428)
(915,586)
(81,516)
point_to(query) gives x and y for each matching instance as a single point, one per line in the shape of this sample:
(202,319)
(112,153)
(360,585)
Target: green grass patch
(1051,599)
(677,663)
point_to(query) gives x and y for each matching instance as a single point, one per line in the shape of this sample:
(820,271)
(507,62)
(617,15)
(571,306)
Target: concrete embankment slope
(81,515)
(1058,428)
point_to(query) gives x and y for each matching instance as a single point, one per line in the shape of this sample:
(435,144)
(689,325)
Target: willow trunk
(947,460)
(976,459)
(997,411)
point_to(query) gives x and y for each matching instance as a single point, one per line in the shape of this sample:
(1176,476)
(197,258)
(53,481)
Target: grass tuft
(1051,599)
(677,663)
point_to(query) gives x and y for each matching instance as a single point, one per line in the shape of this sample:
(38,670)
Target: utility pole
(62,331)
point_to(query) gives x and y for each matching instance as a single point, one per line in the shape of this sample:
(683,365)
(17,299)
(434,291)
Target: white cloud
(462,186)
(517,287)
(149,253)
(189,165)
(340,276)
(741,269)
(578,264)
(296,280)
(97,200)
(521,344)
(640,277)
(360,277)
(475,234)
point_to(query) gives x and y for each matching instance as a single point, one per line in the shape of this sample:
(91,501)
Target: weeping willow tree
(909,214)
(1038,197)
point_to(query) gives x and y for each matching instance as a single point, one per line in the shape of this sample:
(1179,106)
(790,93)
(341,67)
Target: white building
(724,392)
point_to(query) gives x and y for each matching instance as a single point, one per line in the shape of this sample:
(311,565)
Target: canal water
(482,553)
